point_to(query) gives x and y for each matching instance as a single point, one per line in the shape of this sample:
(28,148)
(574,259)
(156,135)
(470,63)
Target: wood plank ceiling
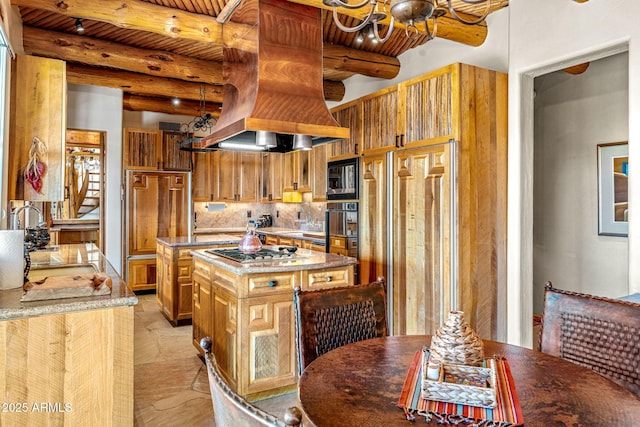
(158,50)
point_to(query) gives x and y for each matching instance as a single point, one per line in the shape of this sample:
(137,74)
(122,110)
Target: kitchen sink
(40,272)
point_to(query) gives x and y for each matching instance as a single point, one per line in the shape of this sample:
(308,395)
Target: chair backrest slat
(602,334)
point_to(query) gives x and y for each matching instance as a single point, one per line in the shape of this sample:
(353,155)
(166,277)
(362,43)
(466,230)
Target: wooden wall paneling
(38,107)
(373,240)
(482,174)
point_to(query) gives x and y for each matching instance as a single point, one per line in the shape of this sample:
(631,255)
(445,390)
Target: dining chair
(330,318)
(231,409)
(599,333)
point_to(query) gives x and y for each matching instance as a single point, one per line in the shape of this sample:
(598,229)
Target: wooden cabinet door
(247,184)
(164,278)
(372,239)
(379,112)
(272,182)
(225,176)
(224,320)
(348,115)
(173,158)
(426,108)
(38,109)
(297,171)
(422,221)
(202,177)
(157,205)
(141,274)
(142,149)
(202,300)
(318,182)
(268,338)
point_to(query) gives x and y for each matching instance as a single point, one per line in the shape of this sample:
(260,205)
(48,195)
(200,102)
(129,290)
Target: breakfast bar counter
(246,308)
(64,260)
(67,361)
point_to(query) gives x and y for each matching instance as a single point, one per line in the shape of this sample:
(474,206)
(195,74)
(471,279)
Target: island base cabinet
(250,319)
(73,369)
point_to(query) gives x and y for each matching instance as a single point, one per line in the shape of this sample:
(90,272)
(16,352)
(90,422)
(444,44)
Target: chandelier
(410,13)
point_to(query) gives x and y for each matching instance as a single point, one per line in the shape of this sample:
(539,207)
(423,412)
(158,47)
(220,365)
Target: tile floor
(171,387)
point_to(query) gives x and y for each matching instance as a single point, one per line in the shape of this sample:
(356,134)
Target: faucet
(16,216)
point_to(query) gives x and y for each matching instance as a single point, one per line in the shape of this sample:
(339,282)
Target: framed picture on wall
(613,170)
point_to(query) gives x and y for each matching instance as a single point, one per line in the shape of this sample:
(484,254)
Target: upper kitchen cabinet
(202,177)
(37,129)
(348,115)
(148,149)
(236,176)
(173,158)
(297,171)
(379,112)
(272,182)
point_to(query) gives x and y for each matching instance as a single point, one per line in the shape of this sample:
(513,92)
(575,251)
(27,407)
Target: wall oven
(342,179)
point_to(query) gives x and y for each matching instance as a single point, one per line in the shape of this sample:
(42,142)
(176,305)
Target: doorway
(79,217)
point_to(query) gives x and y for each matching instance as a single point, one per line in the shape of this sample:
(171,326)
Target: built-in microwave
(342,180)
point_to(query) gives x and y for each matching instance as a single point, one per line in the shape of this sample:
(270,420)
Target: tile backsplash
(306,215)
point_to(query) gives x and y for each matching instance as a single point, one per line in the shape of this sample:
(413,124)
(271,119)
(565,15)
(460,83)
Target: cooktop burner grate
(261,256)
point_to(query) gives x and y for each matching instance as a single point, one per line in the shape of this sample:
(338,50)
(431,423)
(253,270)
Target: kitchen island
(174,283)
(247,310)
(67,361)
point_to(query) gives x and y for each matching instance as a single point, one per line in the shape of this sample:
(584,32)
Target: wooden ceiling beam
(164,105)
(448,27)
(137,15)
(146,85)
(141,84)
(102,53)
(142,16)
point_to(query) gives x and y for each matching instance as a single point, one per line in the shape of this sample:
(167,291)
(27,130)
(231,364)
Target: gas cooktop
(263,255)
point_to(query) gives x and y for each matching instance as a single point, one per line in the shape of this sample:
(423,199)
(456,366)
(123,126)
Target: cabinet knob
(295,186)
(273,283)
(329,278)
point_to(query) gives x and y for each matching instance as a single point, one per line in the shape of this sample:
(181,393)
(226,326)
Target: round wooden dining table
(359,385)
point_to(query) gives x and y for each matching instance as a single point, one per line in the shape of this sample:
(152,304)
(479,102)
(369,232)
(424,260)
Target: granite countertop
(314,236)
(12,308)
(199,240)
(305,260)
(219,230)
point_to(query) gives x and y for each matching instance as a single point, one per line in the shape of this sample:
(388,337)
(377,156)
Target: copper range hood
(272,70)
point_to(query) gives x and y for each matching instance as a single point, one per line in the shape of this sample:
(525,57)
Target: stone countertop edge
(305,260)
(199,240)
(12,308)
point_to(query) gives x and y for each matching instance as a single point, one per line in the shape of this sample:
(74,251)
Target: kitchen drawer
(316,247)
(271,240)
(184,272)
(202,267)
(285,241)
(184,254)
(327,278)
(338,242)
(271,283)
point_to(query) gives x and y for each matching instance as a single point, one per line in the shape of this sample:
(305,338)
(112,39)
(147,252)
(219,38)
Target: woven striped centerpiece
(456,343)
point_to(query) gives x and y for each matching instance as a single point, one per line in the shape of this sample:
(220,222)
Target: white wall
(100,108)
(437,53)
(573,114)
(545,36)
